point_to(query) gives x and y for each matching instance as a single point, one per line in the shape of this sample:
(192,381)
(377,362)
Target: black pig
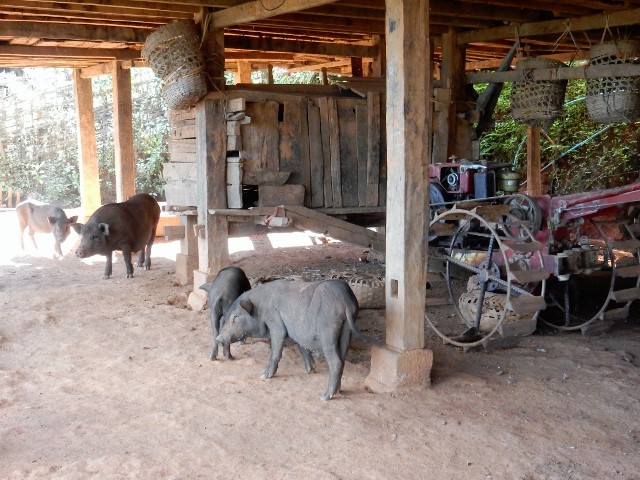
(126,226)
(229,284)
(319,317)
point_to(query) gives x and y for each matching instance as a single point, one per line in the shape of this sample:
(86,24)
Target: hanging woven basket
(173,53)
(538,101)
(614,99)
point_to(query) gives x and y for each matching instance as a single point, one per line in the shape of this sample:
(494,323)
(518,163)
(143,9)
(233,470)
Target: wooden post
(356,67)
(534,174)
(123,133)
(87,150)
(449,96)
(244,72)
(403,361)
(270,74)
(323,74)
(379,64)
(211,149)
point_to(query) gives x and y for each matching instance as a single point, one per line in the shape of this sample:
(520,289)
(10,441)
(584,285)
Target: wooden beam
(319,66)
(307,219)
(9,50)
(123,133)
(97,70)
(257,10)
(89,176)
(269,44)
(66,31)
(619,18)
(563,73)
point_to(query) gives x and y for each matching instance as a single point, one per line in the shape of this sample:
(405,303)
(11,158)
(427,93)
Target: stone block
(393,369)
(185,265)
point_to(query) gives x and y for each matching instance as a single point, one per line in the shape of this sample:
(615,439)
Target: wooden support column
(123,133)
(244,72)
(87,150)
(379,64)
(449,96)
(270,74)
(534,170)
(356,67)
(403,360)
(211,150)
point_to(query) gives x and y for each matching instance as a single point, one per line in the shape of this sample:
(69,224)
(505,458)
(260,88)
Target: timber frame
(420,55)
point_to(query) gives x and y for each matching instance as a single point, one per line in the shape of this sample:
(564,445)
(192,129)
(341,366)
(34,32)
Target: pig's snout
(79,253)
(220,340)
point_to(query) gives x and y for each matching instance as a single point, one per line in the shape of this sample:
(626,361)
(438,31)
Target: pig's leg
(22,227)
(108,267)
(140,262)
(32,234)
(335,370)
(147,261)
(345,339)
(277,335)
(126,255)
(307,356)
(214,333)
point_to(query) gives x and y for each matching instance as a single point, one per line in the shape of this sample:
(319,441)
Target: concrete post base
(393,369)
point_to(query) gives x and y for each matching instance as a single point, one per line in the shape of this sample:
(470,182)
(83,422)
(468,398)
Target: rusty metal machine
(511,261)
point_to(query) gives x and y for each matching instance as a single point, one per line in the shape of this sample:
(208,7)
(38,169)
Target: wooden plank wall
(332,146)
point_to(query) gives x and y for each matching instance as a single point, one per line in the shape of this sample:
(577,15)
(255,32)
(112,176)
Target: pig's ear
(247,305)
(52,220)
(104,228)
(77,227)
(73,219)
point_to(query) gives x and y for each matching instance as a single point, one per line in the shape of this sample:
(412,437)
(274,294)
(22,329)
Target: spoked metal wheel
(487,278)
(524,218)
(603,292)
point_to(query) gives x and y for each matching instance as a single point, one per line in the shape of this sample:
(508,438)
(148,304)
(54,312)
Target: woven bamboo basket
(183,92)
(173,47)
(368,289)
(538,101)
(614,99)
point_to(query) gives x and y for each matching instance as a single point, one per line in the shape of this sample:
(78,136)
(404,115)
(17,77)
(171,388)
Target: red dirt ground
(110,379)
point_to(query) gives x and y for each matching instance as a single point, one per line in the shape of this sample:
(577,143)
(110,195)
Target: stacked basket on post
(173,53)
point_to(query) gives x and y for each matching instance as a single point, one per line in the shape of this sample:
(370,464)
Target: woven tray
(368,289)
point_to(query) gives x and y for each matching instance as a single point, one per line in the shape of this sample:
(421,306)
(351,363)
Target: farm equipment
(510,260)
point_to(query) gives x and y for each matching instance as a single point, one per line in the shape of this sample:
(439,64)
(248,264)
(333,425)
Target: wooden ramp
(308,219)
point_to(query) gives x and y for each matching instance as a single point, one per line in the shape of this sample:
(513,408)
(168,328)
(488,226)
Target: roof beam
(268,44)
(69,52)
(65,31)
(256,10)
(589,22)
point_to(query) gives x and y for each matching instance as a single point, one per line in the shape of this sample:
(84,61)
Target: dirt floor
(110,379)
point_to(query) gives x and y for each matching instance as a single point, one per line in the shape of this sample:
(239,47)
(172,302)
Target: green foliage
(577,154)
(38,134)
